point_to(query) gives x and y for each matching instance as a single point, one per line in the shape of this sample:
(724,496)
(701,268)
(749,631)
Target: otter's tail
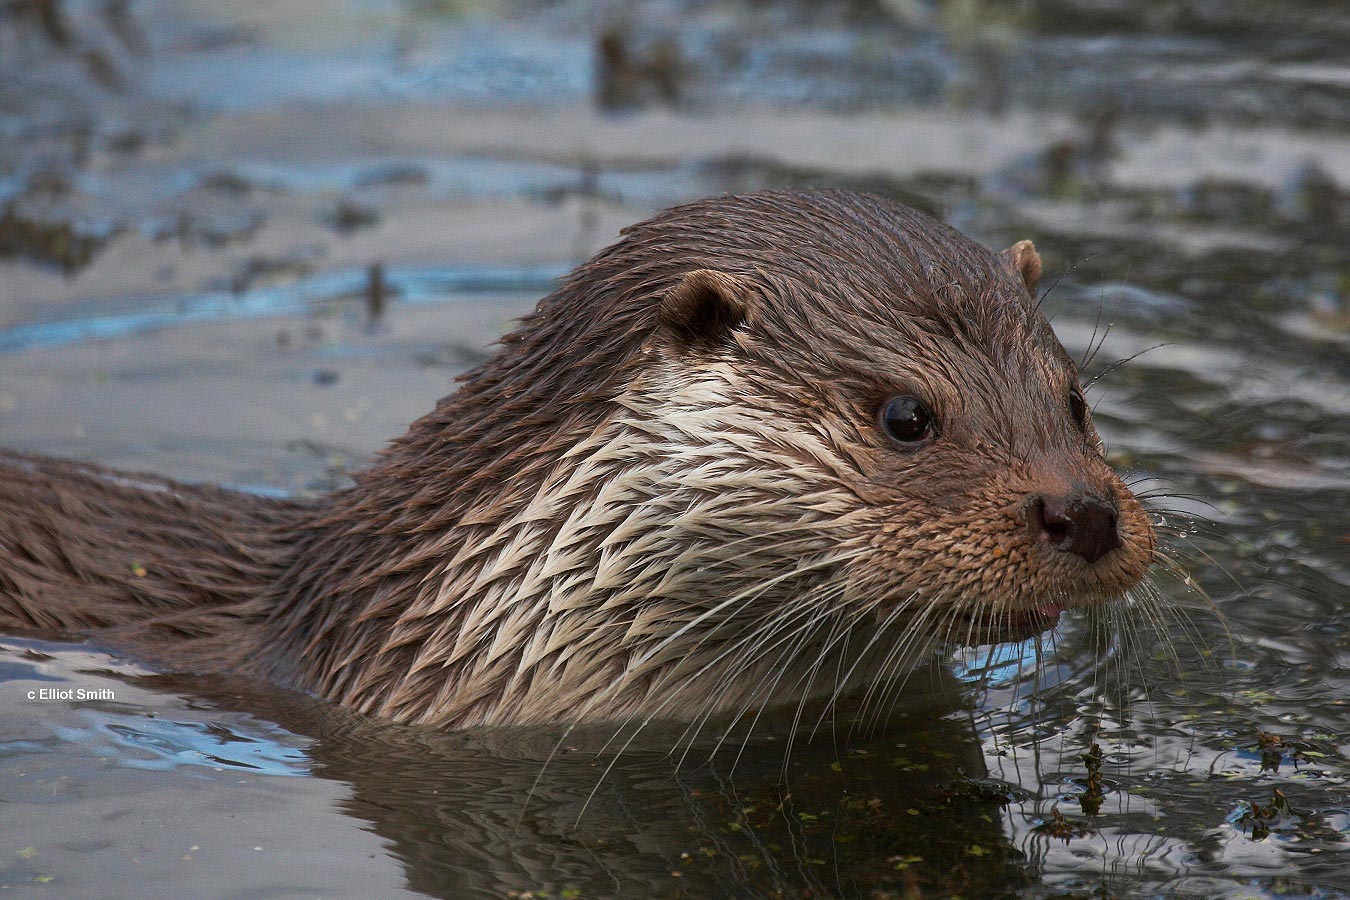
(84,548)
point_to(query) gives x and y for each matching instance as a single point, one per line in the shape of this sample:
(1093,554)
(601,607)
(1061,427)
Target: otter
(764,448)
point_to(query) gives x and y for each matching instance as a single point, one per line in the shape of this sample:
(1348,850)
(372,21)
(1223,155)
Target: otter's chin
(978,626)
(1024,624)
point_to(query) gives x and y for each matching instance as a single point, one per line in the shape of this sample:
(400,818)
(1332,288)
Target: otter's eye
(1078,409)
(906,420)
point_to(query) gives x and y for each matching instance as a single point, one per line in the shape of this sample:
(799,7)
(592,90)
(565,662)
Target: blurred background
(249,241)
(188,161)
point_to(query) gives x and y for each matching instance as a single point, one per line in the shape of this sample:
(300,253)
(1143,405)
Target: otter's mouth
(977,626)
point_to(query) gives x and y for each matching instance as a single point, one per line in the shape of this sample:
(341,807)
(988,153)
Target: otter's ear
(704,308)
(1024,259)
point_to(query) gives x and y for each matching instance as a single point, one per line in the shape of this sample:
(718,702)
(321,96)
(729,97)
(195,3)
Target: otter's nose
(1080,523)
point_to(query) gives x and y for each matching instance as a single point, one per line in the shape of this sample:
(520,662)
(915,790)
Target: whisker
(1120,362)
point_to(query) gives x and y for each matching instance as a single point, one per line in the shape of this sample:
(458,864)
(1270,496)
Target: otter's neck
(402,561)
(588,572)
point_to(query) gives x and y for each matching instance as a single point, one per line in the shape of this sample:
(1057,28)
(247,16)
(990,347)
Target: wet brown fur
(558,539)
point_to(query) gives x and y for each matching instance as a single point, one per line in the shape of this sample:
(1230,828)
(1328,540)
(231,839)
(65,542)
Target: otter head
(852,417)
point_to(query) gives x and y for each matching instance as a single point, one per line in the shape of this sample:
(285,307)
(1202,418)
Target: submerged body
(764,448)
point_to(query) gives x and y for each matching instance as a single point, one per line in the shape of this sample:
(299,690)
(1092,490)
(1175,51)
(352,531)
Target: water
(192,197)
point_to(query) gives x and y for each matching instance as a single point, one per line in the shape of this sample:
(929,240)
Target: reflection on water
(147,314)
(247,243)
(484,813)
(173,744)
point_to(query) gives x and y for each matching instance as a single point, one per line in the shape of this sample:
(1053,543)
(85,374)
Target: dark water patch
(347,217)
(67,245)
(1311,21)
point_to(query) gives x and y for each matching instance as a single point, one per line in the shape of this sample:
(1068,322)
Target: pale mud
(285,402)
